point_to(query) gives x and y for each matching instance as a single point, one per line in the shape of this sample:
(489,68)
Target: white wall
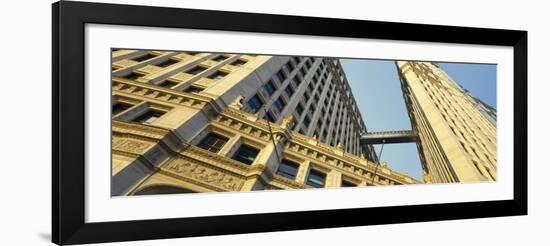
(25,100)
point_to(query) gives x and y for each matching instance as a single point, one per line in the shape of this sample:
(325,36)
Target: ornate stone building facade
(199,122)
(456,132)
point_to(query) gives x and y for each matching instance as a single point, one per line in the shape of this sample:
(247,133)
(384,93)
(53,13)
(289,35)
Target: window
(246,154)
(297,60)
(143,57)
(303,70)
(281,76)
(119,108)
(255,103)
(311,87)
(289,91)
(193,89)
(238,62)
(148,117)
(280,104)
(167,63)
(346,183)
(289,67)
(168,84)
(220,58)
(196,70)
(218,75)
(288,169)
(269,117)
(308,64)
(133,76)
(316,178)
(212,142)
(297,81)
(299,109)
(270,88)
(307,121)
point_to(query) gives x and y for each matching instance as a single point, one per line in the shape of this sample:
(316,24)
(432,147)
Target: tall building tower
(456,132)
(229,122)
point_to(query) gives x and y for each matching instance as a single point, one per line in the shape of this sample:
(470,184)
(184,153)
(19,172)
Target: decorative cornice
(151,91)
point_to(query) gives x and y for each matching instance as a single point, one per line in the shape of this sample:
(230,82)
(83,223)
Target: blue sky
(377,90)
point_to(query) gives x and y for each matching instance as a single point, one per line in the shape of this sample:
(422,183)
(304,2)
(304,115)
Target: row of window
(255,103)
(147,117)
(218,75)
(247,154)
(220,58)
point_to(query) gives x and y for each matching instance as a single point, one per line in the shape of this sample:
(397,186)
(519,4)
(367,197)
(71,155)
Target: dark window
(246,154)
(238,62)
(269,87)
(167,63)
(143,57)
(311,87)
(218,75)
(316,178)
(307,121)
(308,64)
(348,184)
(297,60)
(168,84)
(148,117)
(193,89)
(269,117)
(255,103)
(289,67)
(196,70)
(212,142)
(280,104)
(289,91)
(303,70)
(220,58)
(133,76)
(306,95)
(297,80)
(119,107)
(288,169)
(281,76)
(299,109)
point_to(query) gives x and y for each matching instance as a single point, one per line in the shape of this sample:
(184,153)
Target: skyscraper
(456,131)
(194,122)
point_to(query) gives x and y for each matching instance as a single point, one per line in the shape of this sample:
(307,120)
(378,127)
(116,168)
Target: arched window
(162,189)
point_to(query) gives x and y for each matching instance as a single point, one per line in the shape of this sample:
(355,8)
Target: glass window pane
(212,142)
(246,154)
(287,169)
(316,178)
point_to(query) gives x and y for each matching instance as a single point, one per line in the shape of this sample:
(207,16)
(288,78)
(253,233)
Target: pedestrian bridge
(387,137)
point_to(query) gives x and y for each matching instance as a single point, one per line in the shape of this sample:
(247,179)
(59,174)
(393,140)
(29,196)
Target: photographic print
(218,123)
(193,121)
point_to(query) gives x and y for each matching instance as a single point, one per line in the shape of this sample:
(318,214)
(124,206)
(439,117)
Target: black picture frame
(68,125)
